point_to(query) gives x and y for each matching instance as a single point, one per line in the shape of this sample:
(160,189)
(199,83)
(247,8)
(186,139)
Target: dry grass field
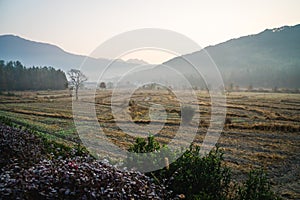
(261,129)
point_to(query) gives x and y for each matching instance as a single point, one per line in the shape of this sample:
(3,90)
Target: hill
(267,59)
(31,53)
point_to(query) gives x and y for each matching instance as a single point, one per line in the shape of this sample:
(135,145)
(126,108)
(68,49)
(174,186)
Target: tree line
(15,76)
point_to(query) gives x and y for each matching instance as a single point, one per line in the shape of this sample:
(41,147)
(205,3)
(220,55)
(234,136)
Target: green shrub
(191,174)
(154,150)
(256,187)
(200,177)
(141,146)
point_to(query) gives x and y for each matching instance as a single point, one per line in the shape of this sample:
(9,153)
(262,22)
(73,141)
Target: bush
(187,114)
(156,153)
(200,177)
(191,174)
(256,187)
(197,177)
(141,146)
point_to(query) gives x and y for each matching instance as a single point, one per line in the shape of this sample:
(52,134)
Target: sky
(79,26)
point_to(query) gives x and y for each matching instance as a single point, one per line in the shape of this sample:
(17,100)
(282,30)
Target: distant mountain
(137,61)
(31,53)
(268,59)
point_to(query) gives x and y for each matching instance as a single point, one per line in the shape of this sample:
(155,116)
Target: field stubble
(261,129)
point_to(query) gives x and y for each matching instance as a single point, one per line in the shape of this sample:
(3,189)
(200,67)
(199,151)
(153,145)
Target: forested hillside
(15,76)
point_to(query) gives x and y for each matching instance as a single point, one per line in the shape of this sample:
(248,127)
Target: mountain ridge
(261,60)
(264,59)
(13,36)
(32,53)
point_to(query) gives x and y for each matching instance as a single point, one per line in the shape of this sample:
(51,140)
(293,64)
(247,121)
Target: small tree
(102,85)
(76,79)
(256,187)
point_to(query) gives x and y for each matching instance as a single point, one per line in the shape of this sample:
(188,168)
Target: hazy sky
(80,26)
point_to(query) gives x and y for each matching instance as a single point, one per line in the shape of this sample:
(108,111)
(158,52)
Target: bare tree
(76,79)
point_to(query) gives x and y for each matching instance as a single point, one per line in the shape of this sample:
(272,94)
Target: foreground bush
(140,160)
(256,187)
(191,174)
(200,177)
(195,177)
